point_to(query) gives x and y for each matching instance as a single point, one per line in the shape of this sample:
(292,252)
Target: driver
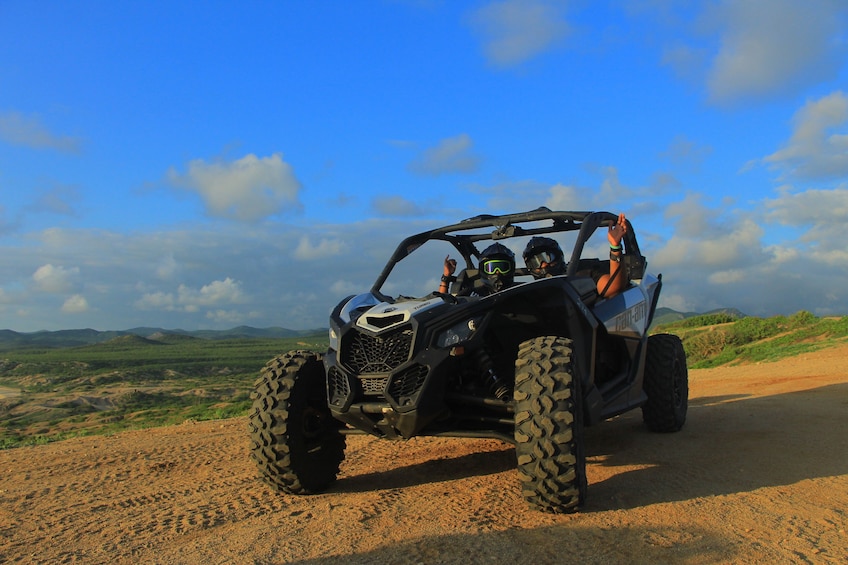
(497,270)
(497,267)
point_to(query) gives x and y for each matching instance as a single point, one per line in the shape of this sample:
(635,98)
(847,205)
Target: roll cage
(464,236)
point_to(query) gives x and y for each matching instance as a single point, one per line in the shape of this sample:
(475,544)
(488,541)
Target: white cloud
(815,149)
(227,291)
(226,316)
(704,239)
(325,248)
(513,31)
(729,276)
(189,299)
(248,189)
(769,46)
(156,301)
(76,304)
(167,267)
(53,279)
(564,197)
(819,213)
(810,207)
(28,131)
(396,206)
(450,155)
(345,288)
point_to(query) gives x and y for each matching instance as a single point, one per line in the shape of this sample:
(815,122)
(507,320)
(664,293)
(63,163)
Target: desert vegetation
(713,340)
(129,382)
(132,382)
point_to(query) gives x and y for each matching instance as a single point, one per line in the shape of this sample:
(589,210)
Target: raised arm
(613,283)
(447,276)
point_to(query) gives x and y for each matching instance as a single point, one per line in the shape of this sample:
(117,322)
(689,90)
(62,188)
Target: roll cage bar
(508,226)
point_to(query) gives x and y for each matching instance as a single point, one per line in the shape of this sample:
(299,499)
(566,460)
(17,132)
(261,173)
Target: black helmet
(497,266)
(544,257)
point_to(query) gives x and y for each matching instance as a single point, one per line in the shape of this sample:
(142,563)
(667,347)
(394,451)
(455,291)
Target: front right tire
(549,426)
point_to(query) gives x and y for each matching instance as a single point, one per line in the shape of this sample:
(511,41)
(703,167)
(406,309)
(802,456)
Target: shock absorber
(495,385)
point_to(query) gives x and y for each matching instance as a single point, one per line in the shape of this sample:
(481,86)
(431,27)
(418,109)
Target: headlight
(459,333)
(334,339)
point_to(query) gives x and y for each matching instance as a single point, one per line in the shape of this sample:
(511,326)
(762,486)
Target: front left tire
(294,440)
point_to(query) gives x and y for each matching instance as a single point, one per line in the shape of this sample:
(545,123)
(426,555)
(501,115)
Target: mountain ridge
(10,339)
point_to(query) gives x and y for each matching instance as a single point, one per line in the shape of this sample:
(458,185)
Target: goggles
(496,266)
(536,260)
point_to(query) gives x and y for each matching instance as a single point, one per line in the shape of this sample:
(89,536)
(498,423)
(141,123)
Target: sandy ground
(758,475)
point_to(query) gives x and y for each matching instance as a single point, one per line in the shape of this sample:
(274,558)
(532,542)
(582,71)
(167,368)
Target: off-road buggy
(438,365)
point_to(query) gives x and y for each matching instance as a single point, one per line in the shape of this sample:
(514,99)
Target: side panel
(625,320)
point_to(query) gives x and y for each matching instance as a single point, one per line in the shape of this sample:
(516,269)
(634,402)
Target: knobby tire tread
(549,426)
(666,384)
(290,398)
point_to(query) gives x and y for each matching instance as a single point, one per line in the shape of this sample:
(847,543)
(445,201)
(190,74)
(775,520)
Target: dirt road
(758,475)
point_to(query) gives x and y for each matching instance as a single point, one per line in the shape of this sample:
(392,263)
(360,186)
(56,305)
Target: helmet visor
(497,266)
(536,260)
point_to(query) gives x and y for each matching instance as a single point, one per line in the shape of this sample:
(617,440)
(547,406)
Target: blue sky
(205,165)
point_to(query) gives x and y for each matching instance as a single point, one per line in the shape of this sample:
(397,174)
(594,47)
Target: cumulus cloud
(325,248)
(450,155)
(568,197)
(514,31)
(76,304)
(28,131)
(191,299)
(820,213)
(167,267)
(718,243)
(248,189)
(227,291)
(396,206)
(816,149)
(774,45)
(156,301)
(810,207)
(54,279)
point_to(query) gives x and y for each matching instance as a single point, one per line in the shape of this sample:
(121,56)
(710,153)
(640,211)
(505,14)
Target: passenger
(613,283)
(544,257)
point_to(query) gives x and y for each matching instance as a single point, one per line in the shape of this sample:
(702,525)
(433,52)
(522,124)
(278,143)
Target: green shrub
(801,318)
(705,345)
(752,329)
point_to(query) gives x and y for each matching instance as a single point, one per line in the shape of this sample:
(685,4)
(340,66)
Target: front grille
(338,387)
(372,386)
(364,354)
(408,382)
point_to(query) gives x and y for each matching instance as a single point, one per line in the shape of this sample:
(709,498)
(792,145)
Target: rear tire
(294,440)
(666,384)
(549,426)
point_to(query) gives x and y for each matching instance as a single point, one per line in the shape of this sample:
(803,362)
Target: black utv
(531,364)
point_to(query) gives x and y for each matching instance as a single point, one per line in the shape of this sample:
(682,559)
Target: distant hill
(10,339)
(668,316)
